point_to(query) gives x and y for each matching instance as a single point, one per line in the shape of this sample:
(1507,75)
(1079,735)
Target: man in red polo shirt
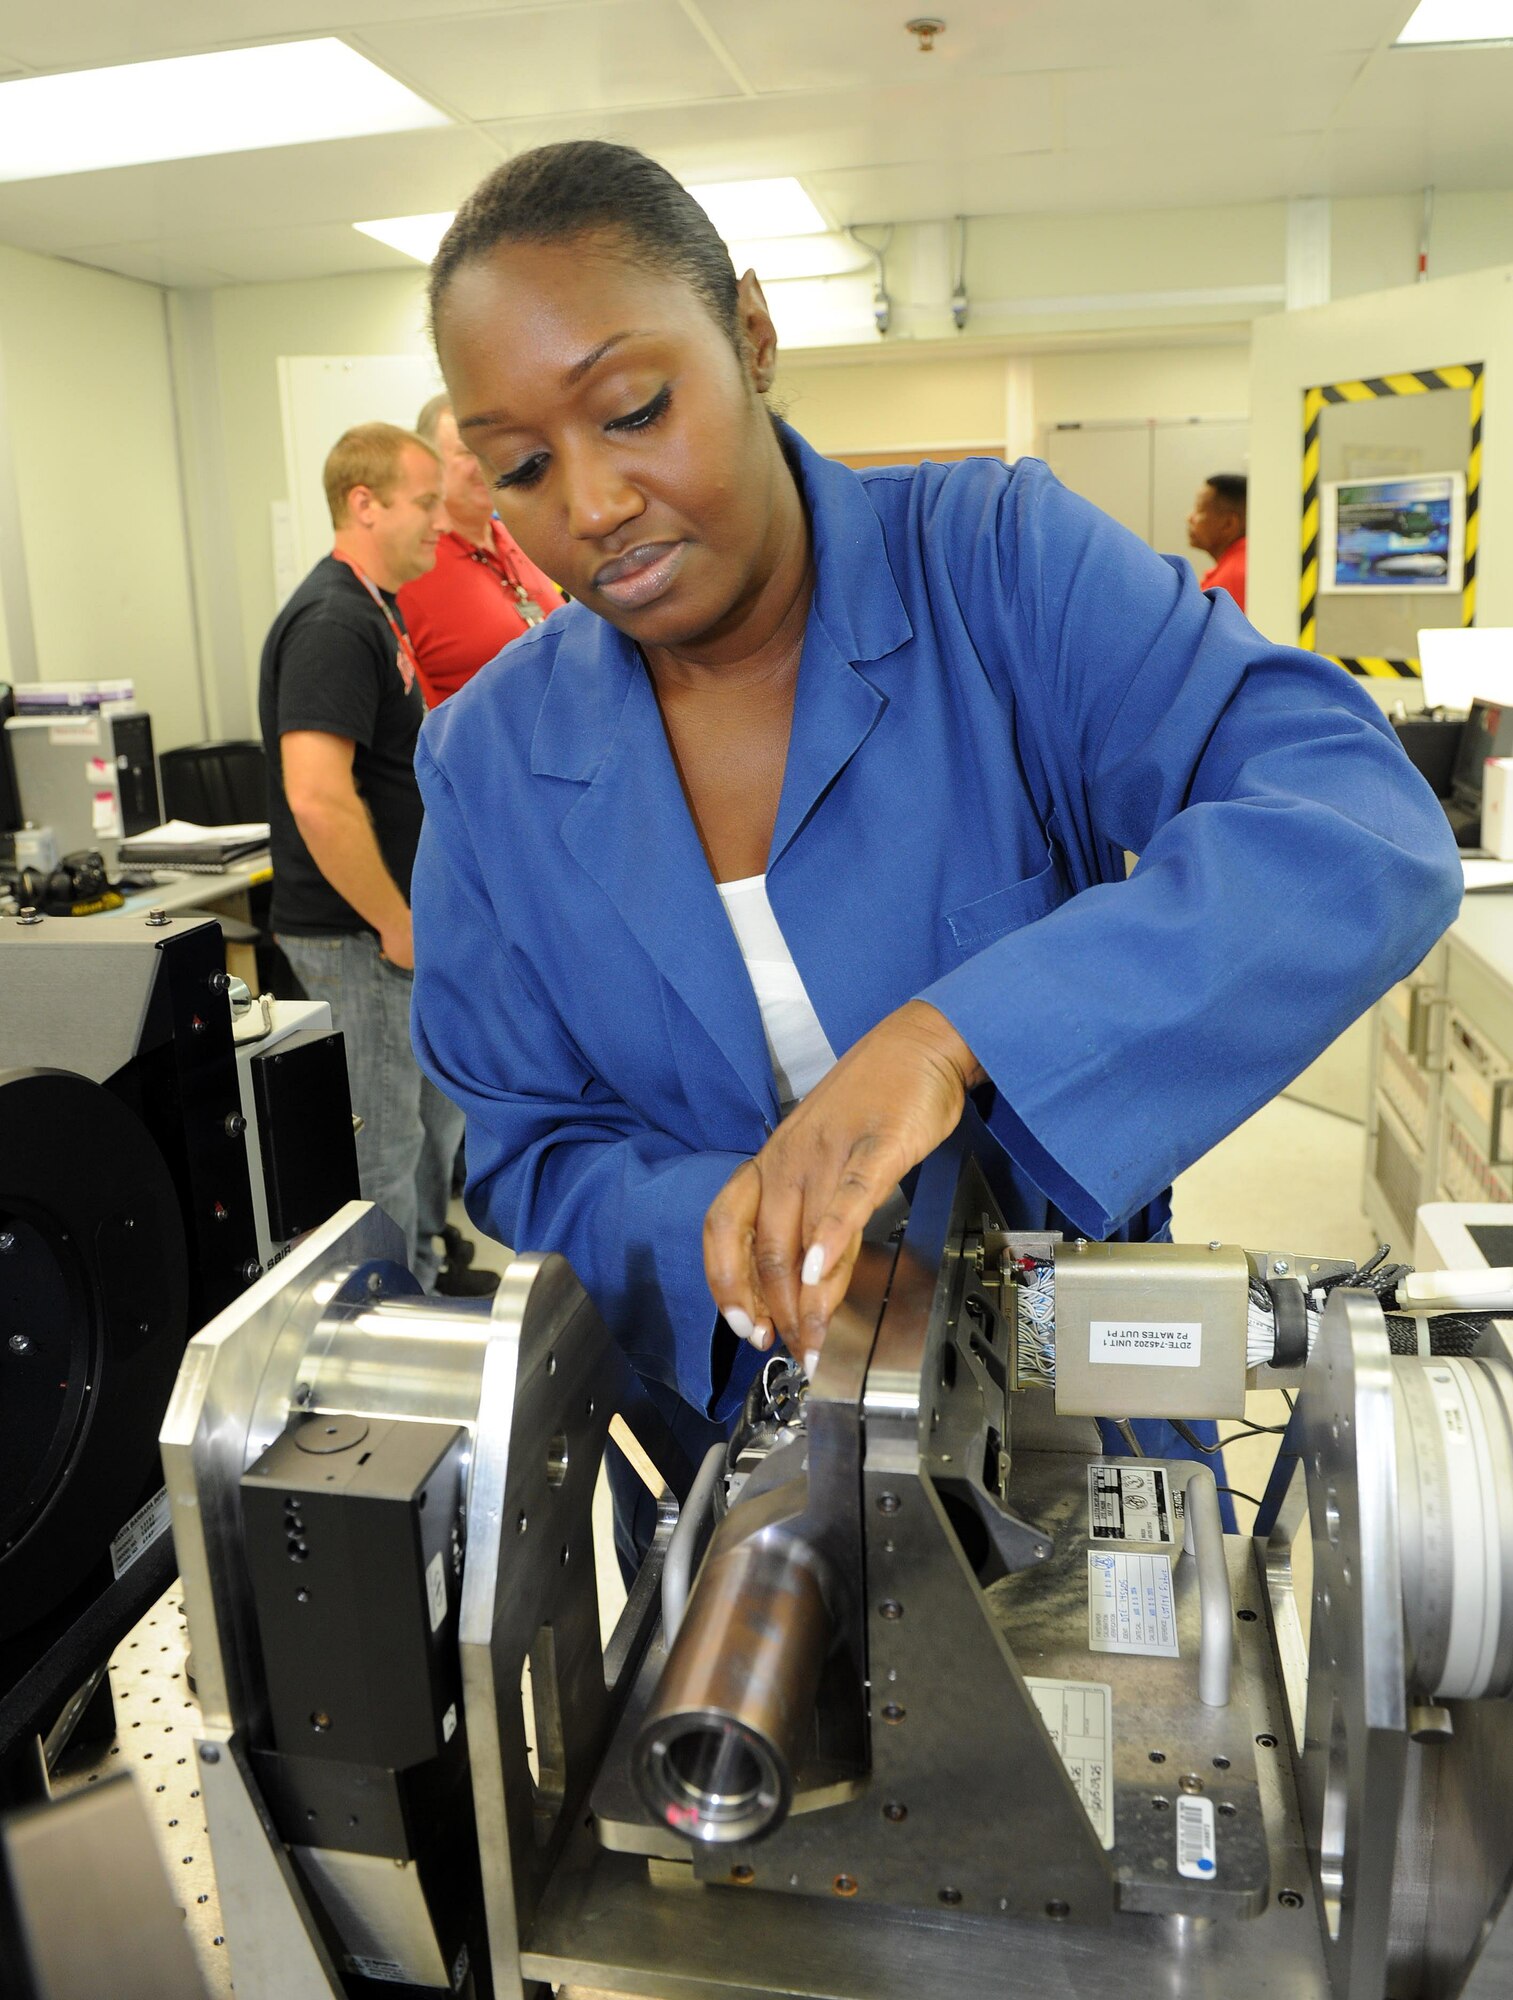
(484,591)
(1217,527)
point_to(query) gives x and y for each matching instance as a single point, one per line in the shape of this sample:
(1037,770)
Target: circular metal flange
(1350,1771)
(93,1321)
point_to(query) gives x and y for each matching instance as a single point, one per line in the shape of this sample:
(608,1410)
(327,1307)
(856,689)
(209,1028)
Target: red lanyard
(405,660)
(531,613)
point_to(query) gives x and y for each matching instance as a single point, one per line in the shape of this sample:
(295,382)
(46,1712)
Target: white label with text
(1129,1604)
(140,1532)
(1080,1718)
(1147,1343)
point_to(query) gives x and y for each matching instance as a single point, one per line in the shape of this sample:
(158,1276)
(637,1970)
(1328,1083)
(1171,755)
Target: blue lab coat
(1001,691)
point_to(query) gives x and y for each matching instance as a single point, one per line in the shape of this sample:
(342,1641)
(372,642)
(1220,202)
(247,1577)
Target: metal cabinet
(1440,1120)
(1402,1130)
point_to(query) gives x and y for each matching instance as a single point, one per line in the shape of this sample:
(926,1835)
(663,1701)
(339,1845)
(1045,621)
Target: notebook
(179,843)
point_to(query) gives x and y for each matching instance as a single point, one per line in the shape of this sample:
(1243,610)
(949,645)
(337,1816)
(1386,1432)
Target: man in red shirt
(483,591)
(1217,527)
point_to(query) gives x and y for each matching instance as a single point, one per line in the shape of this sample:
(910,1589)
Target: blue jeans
(410,1132)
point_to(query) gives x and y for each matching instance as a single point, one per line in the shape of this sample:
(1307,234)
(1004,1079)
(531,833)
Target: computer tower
(92,778)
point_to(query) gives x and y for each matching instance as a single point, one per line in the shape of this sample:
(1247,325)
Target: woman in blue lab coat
(821,765)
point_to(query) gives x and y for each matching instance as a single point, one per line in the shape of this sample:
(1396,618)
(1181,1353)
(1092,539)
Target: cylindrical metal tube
(1455,1512)
(716,1756)
(1204,1540)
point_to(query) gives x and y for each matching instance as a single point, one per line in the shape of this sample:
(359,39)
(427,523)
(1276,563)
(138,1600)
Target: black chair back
(215,784)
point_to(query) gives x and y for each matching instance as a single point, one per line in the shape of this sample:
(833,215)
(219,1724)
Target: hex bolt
(236,1124)
(156,919)
(220,982)
(27,915)
(252,1269)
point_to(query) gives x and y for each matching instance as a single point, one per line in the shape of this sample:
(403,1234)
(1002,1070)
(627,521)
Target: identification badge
(528,608)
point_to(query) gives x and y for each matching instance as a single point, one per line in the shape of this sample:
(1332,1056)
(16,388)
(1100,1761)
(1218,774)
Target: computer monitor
(1488,732)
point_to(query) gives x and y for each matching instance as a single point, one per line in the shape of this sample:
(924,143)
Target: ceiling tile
(340,181)
(804,134)
(1106,108)
(255,256)
(547,61)
(80,36)
(795,45)
(150,261)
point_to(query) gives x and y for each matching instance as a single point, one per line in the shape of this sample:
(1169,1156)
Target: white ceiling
(1025,106)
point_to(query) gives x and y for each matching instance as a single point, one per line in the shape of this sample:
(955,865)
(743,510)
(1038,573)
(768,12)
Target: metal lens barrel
(1454,1427)
(715,1759)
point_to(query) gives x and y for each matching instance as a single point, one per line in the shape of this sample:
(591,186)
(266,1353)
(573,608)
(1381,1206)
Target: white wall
(251,326)
(1433,325)
(94,458)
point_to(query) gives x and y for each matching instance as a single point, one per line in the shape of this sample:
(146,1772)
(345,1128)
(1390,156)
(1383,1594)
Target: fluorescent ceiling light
(743,210)
(1442,21)
(418,236)
(772,226)
(187,107)
(778,257)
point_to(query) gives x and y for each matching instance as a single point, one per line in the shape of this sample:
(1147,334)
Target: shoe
(457,1248)
(459,1281)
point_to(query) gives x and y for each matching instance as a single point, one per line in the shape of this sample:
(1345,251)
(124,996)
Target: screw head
(1289,1899)
(7,1241)
(20,1343)
(210,1753)
(236,1125)
(892,1712)
(844,1885)
(156,919)
(895,1811)
(27,915)
(1281,1266)
(890,1608)
(888,1503)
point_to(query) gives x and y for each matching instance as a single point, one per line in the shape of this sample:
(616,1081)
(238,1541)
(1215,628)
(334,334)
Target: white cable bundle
(1037,1327)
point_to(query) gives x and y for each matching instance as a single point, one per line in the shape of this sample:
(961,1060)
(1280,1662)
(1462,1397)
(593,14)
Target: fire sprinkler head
(924,28)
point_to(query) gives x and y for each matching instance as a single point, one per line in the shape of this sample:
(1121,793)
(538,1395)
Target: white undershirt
(796,1042)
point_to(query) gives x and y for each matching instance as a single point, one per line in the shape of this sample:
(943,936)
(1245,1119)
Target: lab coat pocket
(978,924)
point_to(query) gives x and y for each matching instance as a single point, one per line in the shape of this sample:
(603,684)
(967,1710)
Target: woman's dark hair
(585,187)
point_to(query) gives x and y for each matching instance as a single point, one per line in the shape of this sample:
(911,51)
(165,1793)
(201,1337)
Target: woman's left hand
(784,1232)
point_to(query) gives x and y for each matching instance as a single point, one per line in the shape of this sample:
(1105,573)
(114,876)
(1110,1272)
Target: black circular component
(93,1321)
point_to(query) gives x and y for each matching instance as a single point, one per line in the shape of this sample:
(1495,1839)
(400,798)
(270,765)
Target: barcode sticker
(1195,1839)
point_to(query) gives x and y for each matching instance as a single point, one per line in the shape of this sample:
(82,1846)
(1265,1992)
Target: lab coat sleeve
(1292,863)
(555,1160)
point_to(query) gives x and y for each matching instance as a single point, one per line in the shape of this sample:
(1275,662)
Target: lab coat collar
(630,828)
(856,601)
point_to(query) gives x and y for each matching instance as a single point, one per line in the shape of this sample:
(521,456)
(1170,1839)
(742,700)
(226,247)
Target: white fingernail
(814,1264)
(762,1338)
(739,1322)
(811,1361)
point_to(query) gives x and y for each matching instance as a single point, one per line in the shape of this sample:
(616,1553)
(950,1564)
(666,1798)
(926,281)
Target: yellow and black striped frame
(1419,382)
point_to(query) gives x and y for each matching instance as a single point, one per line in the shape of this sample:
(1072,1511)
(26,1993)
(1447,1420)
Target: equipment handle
(1203,1539)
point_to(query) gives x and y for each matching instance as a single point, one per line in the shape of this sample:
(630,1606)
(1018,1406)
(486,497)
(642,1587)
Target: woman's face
(624,438)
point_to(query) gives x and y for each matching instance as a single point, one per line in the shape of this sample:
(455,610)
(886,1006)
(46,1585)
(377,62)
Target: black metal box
(354,1532)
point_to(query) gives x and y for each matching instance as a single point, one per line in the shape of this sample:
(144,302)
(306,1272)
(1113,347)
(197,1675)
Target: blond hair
(428,423)
(368,455)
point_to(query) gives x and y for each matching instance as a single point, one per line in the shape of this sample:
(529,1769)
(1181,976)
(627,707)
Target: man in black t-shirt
(340,710)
